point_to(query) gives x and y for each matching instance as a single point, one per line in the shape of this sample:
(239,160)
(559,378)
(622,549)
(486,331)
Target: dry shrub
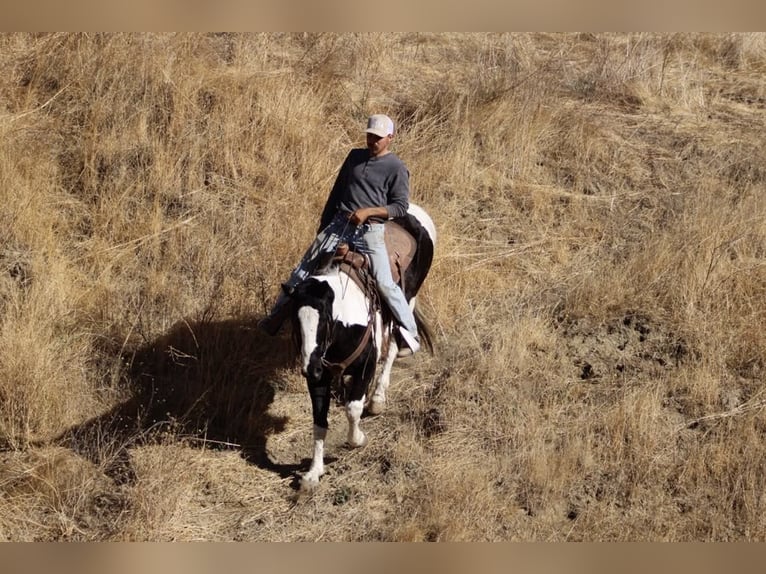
(52,495)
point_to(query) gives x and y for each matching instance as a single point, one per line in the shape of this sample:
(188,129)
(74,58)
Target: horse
(342,334)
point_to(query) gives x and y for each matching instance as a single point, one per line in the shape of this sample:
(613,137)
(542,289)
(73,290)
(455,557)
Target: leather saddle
(401,247)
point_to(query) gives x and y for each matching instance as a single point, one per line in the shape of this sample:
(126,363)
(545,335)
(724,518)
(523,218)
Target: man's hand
(364,213)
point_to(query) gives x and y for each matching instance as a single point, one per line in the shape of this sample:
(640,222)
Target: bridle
(337,369)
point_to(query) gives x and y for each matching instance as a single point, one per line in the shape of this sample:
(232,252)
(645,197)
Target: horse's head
(312,302)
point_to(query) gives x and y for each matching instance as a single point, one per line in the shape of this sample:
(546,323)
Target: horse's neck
(350,304)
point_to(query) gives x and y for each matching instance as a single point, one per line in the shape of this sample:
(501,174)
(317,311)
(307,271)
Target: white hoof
(309,483)
(359,443)
(376,407)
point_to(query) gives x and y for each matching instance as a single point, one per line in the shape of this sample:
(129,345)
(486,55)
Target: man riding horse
(371,188)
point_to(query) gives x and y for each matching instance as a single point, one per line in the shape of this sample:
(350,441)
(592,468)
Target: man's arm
(399,193)
(397,199)
(364,213)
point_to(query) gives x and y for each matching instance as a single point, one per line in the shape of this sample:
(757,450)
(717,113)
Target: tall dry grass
(597,292)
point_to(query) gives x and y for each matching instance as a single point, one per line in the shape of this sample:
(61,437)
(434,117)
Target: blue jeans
(368,239)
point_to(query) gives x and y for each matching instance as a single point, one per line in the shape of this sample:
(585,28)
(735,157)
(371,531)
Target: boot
(274,321)
(411,343)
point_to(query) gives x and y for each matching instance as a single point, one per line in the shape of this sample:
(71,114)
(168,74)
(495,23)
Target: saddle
(401,247)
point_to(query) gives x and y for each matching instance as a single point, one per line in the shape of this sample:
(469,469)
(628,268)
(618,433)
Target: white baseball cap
(380,125)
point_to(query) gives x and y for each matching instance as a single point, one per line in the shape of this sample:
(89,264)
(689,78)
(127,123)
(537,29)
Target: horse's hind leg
(377,403)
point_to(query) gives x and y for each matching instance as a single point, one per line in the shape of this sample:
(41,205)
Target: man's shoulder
(395,161)
(359,153)
(357,156)
(390,160)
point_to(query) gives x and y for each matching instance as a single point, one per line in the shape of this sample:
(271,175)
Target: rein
(338,368)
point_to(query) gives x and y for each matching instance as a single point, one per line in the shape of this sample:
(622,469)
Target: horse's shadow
(206,383)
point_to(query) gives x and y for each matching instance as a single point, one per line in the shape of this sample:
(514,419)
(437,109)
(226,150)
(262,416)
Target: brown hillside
(597,293)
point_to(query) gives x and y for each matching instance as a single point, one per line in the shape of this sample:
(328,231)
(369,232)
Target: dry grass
(597,293)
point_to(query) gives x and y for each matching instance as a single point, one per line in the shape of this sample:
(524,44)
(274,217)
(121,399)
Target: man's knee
(389,289)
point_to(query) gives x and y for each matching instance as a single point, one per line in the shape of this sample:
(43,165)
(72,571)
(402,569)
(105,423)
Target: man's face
(378,145)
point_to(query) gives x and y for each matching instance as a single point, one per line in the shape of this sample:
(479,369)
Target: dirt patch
(631,346)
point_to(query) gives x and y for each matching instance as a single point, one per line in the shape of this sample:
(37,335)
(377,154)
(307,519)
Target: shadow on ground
(208,383)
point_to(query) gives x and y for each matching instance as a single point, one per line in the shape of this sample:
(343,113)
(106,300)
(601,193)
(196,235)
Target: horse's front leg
(356,438)
(355,405)
(320,405)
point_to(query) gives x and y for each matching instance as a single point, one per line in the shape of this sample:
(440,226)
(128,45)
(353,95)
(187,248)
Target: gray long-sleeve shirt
(365,181)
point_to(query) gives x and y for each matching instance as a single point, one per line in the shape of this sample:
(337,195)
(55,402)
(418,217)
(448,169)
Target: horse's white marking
(356,437)
(378,398)
(311,478)
(425,220)
(309,321)
(377,402)
(350,308)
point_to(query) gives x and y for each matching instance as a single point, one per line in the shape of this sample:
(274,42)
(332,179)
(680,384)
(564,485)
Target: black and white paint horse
(343,337)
